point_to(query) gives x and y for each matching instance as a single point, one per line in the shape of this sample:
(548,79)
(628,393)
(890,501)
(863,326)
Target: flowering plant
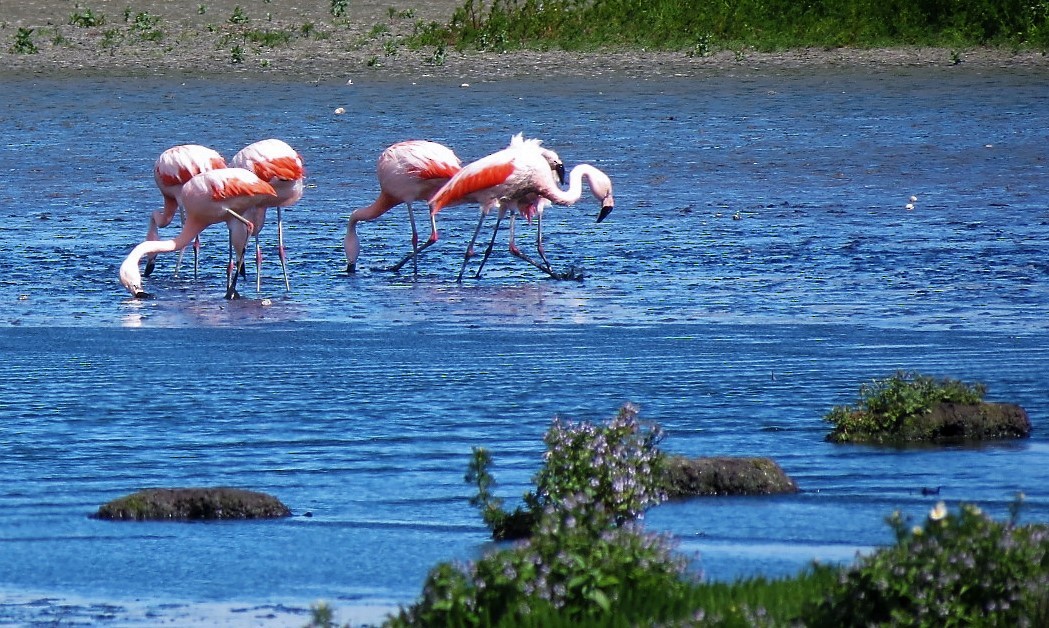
(958,569)
(617,468)
(586,555)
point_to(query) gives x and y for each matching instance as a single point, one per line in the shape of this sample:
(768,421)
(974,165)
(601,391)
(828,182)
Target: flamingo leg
(232,270)
(258,265)
(415,240)
(516,252)
(182,251)
(280,249)
(416,251)
(470,247)
(539,240)
(491,242)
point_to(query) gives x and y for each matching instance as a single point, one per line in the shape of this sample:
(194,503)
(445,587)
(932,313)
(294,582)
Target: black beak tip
(605,211)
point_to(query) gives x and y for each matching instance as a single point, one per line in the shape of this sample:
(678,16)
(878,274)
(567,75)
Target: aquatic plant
(888,407)
(959,568)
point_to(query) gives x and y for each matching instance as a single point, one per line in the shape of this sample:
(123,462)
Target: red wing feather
(287,168)
(237,187)
(439,170)
(467,182)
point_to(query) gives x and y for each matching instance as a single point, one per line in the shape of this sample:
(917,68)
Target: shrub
(958,569)
(586,557)
(618,466)
(886,406)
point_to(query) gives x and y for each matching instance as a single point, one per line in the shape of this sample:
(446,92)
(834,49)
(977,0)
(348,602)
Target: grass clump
(86,18)
(24,44)
(763,24)
(958,569)
(889,409)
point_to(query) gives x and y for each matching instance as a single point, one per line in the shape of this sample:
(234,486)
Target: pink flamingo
(520,173)
(209,198)
(279,165)
(525,201)
(408,171)
(172,170)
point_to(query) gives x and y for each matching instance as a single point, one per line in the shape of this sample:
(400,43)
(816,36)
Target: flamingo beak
(605,211)
(561,173)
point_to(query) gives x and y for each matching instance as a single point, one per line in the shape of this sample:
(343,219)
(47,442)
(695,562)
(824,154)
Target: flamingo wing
(476,177)
(287,168)
(233,187)
(179,164)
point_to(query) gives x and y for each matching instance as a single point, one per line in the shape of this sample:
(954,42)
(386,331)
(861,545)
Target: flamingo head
(132,280)
(601,187)
(556,165)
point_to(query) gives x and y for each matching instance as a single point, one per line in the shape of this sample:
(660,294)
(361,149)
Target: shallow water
(759,266)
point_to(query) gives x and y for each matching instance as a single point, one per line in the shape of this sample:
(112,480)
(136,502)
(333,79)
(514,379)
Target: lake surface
(761,264)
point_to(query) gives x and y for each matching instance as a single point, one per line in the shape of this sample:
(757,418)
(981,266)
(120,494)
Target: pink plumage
(408,172)
(213,197)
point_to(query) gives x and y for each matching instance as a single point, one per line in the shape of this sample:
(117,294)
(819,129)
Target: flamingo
(381,206)
(408,171)
(520,173)
(172,170)
(279,165)
(209,198)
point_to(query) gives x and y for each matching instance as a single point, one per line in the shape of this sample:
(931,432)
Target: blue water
(760,265)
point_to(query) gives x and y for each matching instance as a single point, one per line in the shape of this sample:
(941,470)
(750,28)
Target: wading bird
(279,165)
(213,197)
(526,202)
(172,170)
(407,171)
(520,174)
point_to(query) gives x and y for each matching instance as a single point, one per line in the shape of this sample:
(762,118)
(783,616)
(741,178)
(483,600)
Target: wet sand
(201,38)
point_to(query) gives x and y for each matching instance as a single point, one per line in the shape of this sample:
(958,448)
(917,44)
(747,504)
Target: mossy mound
(193,504)
(947,423)
(689,477)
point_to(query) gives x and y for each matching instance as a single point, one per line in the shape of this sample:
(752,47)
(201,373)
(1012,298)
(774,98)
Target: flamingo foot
(232,294)
(572,274)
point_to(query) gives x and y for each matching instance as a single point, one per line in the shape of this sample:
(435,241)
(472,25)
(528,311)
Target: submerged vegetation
(703,27)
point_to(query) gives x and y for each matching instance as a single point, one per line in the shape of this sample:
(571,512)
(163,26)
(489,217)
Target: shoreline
(257,40)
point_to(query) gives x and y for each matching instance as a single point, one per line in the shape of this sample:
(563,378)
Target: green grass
(703,26)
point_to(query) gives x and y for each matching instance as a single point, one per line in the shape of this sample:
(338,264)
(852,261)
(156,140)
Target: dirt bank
(304,41)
